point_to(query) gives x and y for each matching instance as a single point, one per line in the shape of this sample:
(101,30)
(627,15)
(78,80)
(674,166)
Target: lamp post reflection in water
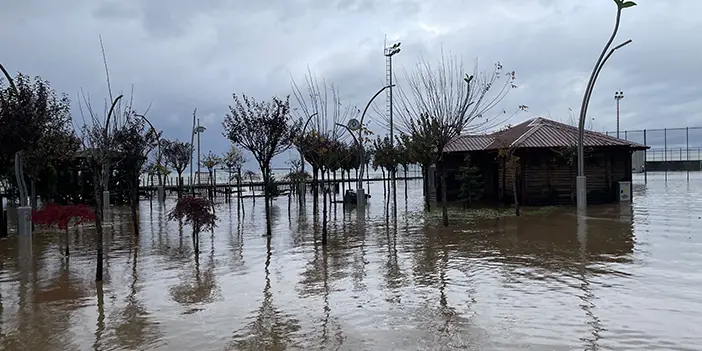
(588,296)
(25,253)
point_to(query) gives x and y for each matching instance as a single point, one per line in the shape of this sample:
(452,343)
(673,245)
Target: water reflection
(621,277)
(196,286)
(270,329)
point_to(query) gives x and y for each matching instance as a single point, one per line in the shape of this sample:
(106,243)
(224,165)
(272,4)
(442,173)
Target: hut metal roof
(537,133)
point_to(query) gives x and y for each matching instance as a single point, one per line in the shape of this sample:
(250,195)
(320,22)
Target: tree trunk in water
(213,180)
(425,187)
(343,184)
(405,169)
(253,194)
(444,203)
(238,193)
(266,197)
(385,184)
(196,242)
(68,252)
(315,189)
(514,192)
(180,185)
(335,185)
(324,211)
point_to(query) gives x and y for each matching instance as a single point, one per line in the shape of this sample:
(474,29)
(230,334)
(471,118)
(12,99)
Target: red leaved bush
(195,211)
(52,214)
(61,216)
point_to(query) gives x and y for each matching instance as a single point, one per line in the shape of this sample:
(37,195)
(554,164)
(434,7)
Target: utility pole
(389,53)
(618,96)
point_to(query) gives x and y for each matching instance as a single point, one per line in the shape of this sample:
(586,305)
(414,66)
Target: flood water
(626,277)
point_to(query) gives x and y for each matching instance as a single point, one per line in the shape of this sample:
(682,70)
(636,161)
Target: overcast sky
(182,55)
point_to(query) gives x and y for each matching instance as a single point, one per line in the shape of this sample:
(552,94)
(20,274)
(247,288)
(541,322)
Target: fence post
(645,159)
(665,152)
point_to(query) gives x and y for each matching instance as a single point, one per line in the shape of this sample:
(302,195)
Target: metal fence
(667,144)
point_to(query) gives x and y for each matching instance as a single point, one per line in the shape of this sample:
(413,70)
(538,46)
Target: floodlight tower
(389,52)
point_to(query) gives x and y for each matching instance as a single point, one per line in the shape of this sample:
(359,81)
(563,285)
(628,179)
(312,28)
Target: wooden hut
(546,166)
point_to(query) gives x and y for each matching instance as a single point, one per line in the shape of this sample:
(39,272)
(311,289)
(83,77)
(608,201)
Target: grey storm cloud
(181,55)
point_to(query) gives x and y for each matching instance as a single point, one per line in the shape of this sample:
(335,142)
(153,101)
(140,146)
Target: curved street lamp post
(360,193)
(580,180)
(161,189)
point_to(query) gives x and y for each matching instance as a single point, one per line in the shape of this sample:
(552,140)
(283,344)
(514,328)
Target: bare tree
(266,130)
(441,102)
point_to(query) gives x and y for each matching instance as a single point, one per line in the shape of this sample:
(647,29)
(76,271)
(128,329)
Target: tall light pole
(580,180)
(389,53)
(199,129)
(618,96)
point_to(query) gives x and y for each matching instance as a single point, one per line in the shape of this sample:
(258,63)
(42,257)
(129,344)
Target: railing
(674,154)
(222,176)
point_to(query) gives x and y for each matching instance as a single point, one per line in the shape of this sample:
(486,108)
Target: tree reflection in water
(236,244)
(271,329)
(198,288)
(133,329)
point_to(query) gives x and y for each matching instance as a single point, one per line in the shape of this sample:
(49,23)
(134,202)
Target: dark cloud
(180,55)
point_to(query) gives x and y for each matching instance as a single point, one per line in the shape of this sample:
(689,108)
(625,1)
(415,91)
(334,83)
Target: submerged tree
(471,182)
(195,211)
(210,161)
(132,144)
(510,164)
(419,151)
(444,102)
(35,127)
(61,216)
(177,155)
(319,113)
(266,130)
(234,160)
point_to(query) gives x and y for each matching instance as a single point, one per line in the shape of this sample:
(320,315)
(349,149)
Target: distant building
(547,164)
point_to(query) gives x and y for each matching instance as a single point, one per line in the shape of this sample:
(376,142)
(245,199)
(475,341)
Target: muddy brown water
(626,277)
